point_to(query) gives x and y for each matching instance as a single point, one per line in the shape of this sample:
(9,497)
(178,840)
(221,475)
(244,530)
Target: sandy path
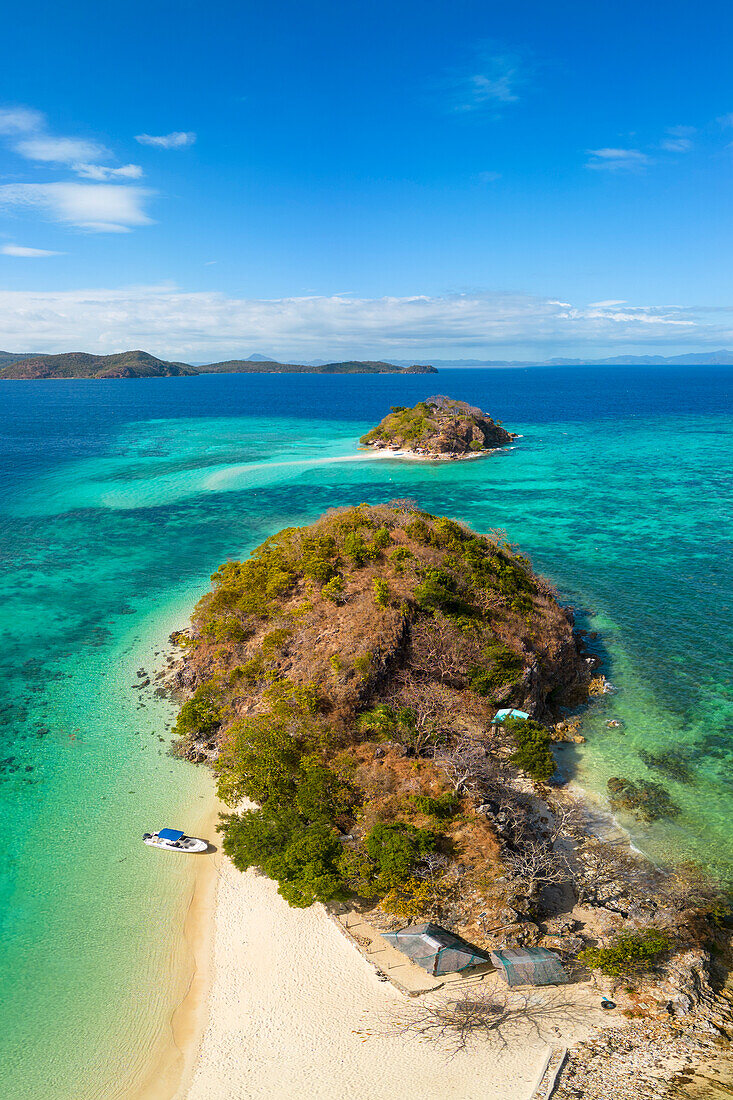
(289,992)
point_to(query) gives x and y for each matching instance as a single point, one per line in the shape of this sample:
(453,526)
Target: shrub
(259,759)
(335,589)
(355,548)
(275,640)
(400,557)
(418,530)
(394,849)
(384,722)
(201,715)
(363,664)
(250,673)
(630,953)
(416,898)
(381,592)
(503,669)
(382,539)
(533,754)
(438,591)
(441,807)
(303,857)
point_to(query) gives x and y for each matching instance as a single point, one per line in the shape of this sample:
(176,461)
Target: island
(351,366)
(140,364)
(82,364)
(382,695)
(438,427)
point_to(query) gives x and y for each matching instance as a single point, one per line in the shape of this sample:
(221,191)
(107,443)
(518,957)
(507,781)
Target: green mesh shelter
(435,949)
(529,966)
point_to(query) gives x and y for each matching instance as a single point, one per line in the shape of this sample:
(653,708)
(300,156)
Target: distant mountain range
(722,358)
(139,364)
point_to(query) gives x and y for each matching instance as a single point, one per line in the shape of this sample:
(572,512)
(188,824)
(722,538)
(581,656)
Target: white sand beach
(291,998)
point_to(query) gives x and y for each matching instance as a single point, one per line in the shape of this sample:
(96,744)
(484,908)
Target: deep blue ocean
(118,499)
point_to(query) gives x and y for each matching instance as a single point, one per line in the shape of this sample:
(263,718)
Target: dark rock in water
(647,800)
(671,762)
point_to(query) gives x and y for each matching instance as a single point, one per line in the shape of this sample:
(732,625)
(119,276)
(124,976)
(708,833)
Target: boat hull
(187,844)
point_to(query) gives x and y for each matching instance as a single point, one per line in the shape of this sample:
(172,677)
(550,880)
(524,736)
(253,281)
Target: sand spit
(289,1004)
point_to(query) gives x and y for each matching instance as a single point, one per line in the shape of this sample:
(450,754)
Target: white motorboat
(173,840)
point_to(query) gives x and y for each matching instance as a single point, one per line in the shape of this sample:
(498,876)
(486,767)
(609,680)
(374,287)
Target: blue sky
(453,179)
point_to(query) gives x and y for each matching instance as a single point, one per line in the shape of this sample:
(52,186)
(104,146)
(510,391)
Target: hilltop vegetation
(438,426)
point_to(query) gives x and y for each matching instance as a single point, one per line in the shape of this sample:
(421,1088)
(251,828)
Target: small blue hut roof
(507,712)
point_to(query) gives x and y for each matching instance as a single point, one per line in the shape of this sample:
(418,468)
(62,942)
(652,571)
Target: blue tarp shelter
(509,713)
(529,966)
(170,834)
(435,949)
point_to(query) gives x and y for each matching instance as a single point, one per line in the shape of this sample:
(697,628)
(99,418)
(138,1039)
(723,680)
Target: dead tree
(474,1017)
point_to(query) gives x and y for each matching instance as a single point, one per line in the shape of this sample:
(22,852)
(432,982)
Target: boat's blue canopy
(170,834)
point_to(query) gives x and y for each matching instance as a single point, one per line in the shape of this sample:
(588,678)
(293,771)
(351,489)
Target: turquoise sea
(117,501)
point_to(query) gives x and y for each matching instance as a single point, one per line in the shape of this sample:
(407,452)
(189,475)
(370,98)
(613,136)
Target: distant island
(438,427)
(81,364)
(271,366)
(140,364)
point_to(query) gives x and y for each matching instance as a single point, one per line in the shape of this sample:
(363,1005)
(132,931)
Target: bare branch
(476,1017)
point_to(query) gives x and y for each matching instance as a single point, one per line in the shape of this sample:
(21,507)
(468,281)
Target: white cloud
(205,326)
(20,120)
(614,159)
(60,150)
(489,177)
(27,253)
(98,207)
(678,139)
(177,140)
(102,172)
(493,83)
(676,145)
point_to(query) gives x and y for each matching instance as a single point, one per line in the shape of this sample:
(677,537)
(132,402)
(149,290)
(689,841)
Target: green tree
(394,849)
(630,953)
(201,715)
(259,759)
(302,857)
(533,754)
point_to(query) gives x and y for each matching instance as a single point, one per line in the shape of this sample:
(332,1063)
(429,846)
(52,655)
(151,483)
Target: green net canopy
(529,966)
(436,949)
